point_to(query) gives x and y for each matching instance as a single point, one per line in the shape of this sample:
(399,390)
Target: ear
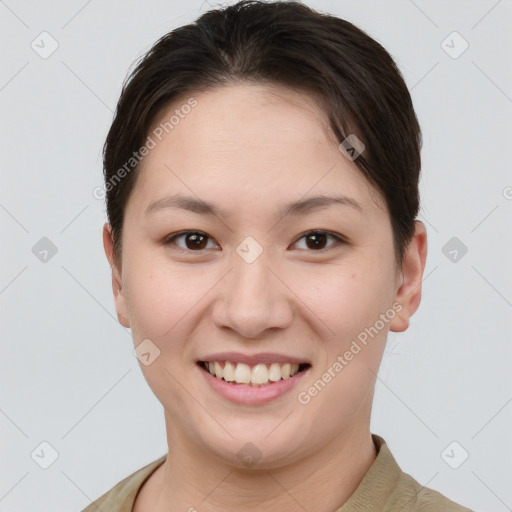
(108,245)
(408,294)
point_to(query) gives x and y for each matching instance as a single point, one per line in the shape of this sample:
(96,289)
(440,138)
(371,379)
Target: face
(315,284)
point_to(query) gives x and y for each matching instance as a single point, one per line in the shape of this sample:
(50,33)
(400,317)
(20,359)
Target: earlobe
(408,295)
(117,289)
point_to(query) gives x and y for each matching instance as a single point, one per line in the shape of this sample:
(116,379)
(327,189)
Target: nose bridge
(254,300)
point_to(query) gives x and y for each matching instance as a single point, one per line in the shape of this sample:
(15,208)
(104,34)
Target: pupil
(318,240)
(198,241)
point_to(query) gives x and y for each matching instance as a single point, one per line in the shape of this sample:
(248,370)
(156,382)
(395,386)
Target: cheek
(349,303)
(163,302)
(347,298)
(162,297)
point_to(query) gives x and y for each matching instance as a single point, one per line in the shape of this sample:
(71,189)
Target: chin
(256,447)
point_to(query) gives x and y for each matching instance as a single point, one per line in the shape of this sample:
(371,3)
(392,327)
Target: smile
(252,375)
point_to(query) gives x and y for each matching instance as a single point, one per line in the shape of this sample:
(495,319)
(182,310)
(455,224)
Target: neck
(323,481)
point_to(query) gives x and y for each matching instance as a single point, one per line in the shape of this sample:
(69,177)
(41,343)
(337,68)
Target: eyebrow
(201,207)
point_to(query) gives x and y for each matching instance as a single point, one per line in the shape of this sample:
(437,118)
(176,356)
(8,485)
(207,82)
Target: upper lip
(250,359)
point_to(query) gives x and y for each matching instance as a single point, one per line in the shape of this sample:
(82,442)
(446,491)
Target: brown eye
(317,240)
(194,240)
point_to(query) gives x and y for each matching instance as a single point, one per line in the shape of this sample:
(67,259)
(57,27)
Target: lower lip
(252,395)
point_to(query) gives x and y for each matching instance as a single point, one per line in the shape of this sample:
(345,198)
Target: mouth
(252,375)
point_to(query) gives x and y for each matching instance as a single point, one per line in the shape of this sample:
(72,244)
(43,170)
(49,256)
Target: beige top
(384,488)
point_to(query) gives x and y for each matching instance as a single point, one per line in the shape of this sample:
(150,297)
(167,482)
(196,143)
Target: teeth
(217,368)
(259,375)
(286,370)
(242,373)
(228,373)
(274,374)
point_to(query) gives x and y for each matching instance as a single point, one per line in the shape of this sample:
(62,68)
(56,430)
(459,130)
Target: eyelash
(338,239)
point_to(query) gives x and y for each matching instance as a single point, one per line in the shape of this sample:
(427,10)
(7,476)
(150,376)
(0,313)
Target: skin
(251,149)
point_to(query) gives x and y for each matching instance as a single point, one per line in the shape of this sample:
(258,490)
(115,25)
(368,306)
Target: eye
(317,239)
(194,240)
(197,240)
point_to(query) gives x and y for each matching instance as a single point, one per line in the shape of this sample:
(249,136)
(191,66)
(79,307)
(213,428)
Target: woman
(262,190)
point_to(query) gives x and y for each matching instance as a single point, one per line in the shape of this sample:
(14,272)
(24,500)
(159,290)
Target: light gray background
(68,373)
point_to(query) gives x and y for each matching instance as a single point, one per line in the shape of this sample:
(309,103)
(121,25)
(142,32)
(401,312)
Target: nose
(253,300)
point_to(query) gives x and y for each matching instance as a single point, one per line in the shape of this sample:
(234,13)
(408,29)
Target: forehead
(249,138)
(241,110)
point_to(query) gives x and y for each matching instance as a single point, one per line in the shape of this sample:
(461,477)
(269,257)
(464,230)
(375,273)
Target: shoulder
(386,488)
(409,495)
(405,493)
(122,496)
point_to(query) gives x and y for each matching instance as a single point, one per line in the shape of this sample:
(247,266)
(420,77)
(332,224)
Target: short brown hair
(358,84)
